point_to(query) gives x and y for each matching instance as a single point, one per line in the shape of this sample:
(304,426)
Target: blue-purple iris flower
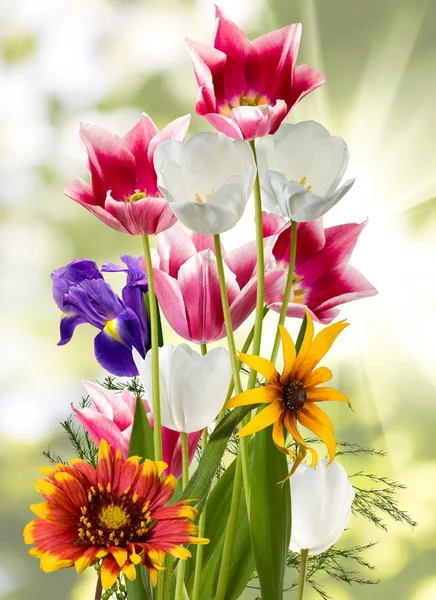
(84,296)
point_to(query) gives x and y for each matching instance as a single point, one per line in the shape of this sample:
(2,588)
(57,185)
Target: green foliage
(141,440)
(80,440)
(340,564)
(270,514)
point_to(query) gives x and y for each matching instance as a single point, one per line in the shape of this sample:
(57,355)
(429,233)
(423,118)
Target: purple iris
(84,296)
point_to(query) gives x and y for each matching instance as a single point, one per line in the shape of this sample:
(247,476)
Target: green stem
(230,533)
(201,532)
(244,350)
(302,579)
(257,338)
(288,289)
(203,349)
(185,478)
(243,444)
(157,434)
(167,579)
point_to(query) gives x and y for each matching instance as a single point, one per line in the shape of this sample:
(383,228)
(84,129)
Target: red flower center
(111,521)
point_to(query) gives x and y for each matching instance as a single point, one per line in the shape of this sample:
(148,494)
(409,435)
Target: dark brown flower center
(112,521)
(294,396)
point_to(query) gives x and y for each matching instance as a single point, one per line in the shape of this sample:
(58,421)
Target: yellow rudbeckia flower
(291,397)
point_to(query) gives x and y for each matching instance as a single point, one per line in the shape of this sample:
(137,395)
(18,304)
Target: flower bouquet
(258,504)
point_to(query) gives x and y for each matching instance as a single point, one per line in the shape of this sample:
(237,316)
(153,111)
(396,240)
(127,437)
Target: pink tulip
(324,278)
(113,420)
(123,191)
(248,87)
(187,286)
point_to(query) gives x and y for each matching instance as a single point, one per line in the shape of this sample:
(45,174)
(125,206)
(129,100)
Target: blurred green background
(65,61)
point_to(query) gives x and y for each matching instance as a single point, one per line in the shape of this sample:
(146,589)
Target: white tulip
(300,168)
(321,506)
(207,181)
(193,388)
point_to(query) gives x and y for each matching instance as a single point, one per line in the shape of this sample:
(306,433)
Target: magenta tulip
(123,191)
(324,279)
(248,87)
(113,419)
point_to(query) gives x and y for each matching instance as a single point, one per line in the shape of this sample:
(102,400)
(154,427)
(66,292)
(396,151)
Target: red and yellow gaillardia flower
(291,397)
(115,513)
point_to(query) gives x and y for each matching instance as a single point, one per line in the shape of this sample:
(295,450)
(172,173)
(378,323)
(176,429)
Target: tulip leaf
(159,320)
(270,514)
(199,483)
(141,440)
(301,334)
(242,566)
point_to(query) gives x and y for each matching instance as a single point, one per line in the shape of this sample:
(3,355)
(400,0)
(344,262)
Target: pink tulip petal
(199,284)
(257,121)
(110,404)
(272,224)
(271,59)
(100,427)
(339,245)
(176,130)
(175,247)
(148,216)
(111,164)
(310,241)
(233,42)
(138,140)
(305,80)
(338,286)
(243,261)
(171,302)
(225,125)
(208,66)
(80,192)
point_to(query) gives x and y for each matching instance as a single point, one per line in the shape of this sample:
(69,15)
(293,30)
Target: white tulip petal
(205,388)
(321,506)
(306,156)
(167,151)
(204,218)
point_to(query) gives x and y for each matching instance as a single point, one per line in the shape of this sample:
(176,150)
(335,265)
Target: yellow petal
(289,354)
(109,573)
(320,346)
(315,419)
(120,555)
(129,571)
(264,418)
(305,346)
(290,422)
(319,375)
(325,394)
(259,395)
(279,438)
(261,365)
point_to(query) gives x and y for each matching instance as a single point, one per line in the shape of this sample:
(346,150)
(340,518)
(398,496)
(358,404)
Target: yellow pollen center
(113,517)
(138,195)
(243,100)
(198,198)
(303,182)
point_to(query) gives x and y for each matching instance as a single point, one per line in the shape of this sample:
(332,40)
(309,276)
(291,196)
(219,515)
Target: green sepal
(270,514)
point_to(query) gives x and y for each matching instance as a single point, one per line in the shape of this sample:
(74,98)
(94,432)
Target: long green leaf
(141,444)
(141,440)
(270,514)
(218,507)
(200,482)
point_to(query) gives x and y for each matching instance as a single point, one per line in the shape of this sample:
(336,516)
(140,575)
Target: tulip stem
(185,478)
(288,290)
(242,457)
(201,532)
(302,579)
(157,433)
(203,349)
(260,267)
